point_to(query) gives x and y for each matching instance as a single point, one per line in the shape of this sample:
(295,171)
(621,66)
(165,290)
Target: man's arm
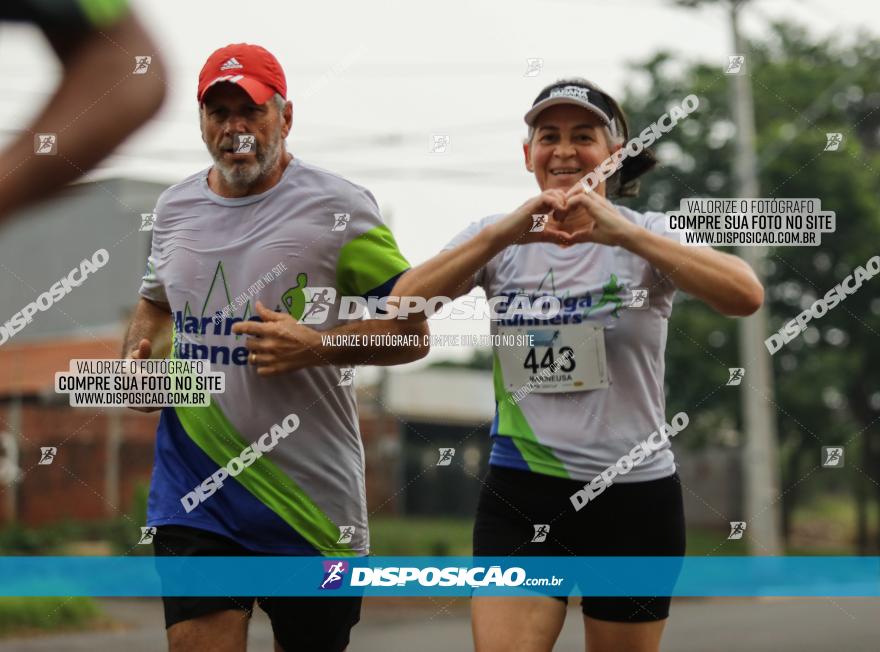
(97,104)
(281,344)
(149,332)
(150,327)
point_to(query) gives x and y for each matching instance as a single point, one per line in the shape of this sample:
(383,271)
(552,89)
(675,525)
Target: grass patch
(712,542)
(420,536)
(828,525)
(45,614)
(122,534)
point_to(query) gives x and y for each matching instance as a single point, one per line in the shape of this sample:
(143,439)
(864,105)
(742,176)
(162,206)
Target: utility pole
(761,463)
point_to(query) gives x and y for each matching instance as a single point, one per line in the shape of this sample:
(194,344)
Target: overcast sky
(372,82)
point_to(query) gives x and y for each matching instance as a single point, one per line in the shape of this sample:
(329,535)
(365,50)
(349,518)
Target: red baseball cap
(253,68)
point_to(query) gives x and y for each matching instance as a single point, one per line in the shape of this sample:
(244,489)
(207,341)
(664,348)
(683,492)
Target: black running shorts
(627,519)
(303,623)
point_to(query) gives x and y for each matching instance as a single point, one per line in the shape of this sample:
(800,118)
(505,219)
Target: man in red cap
(255,71)
(274,465)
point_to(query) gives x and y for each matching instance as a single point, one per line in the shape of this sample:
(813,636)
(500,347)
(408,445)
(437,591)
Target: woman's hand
(592,218)
(537,220)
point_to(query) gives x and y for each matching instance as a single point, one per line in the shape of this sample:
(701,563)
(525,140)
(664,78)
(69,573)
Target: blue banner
(440,576)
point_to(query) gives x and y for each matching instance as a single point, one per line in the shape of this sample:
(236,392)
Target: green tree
(827,389)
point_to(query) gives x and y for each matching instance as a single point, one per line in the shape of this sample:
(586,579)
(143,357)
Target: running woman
(261,227)
(576,420)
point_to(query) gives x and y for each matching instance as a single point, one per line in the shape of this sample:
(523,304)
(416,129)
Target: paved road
(717,625)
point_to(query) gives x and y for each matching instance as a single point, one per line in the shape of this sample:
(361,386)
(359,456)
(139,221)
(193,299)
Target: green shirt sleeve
(371,258)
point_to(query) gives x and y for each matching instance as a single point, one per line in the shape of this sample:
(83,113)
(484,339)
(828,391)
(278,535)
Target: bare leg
(223,631)
(608,636)
(525,624)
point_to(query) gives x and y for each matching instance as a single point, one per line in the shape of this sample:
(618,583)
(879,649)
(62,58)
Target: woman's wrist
(631,236)
(496,238)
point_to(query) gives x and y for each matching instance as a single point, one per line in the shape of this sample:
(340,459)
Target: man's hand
(280,343)
(142,351)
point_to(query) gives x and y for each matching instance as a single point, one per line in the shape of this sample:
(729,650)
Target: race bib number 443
(559,359)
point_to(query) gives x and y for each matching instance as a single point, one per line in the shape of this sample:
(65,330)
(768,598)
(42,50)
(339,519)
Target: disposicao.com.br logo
(401,576)
(334,574)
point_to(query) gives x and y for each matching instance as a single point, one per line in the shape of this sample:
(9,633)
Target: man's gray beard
(243,177)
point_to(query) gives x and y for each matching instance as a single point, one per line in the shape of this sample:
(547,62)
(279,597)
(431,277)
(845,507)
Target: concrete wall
(46,242)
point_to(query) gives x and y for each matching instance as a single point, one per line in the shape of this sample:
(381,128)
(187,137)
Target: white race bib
(569,358)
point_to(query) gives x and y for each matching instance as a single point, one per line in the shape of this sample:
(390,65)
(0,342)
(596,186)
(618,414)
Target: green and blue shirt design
(208,250)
